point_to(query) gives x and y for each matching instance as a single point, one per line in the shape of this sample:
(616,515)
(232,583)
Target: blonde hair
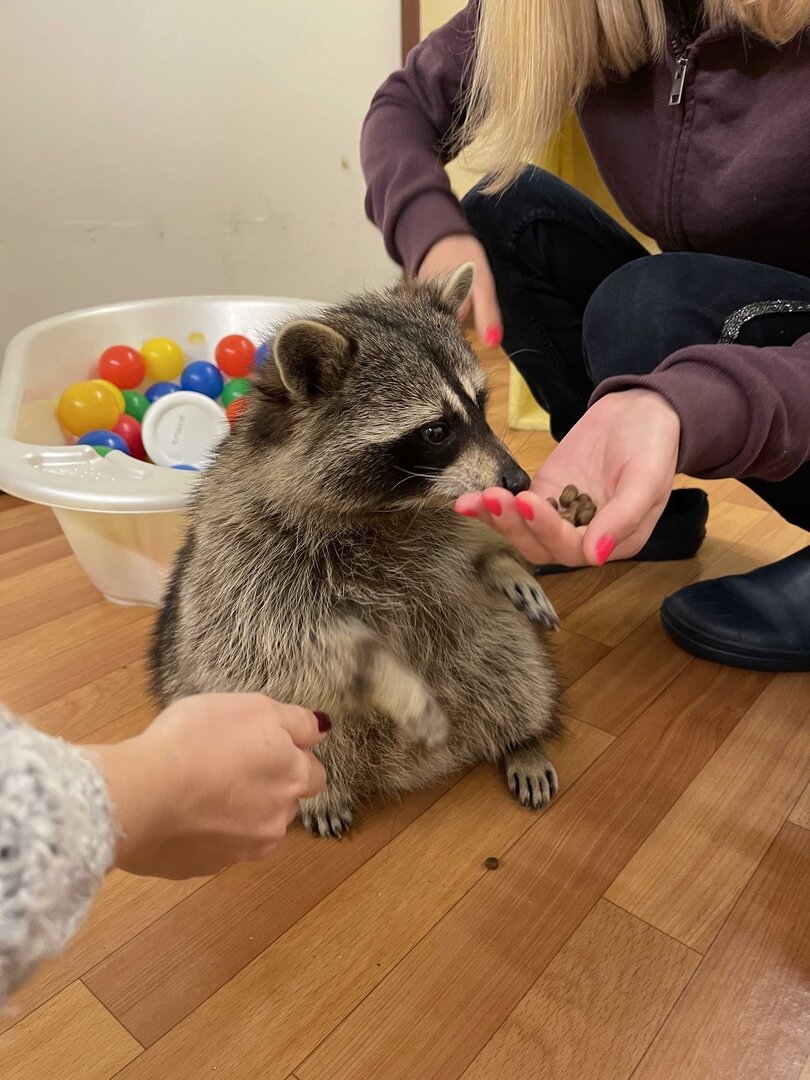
(536,59)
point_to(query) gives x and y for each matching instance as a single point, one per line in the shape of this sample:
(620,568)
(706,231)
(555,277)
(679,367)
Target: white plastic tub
(123,518)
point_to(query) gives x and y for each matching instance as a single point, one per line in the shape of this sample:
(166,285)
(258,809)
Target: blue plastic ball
(185,468)
(202,378)
(262,353)
(104,438)
(160,389)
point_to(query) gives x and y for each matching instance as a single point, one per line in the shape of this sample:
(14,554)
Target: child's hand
(214,780)
(450,253)
(623,452)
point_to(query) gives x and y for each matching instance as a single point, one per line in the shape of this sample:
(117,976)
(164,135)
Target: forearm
(744,411)
(405,138)
(56,844)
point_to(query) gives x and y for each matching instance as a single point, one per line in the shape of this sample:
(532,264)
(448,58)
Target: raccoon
(324,564)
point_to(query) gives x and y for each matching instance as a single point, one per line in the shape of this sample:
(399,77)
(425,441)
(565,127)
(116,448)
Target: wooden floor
(652,924)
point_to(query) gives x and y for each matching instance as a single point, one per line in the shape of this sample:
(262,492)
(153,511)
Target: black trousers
(582,300)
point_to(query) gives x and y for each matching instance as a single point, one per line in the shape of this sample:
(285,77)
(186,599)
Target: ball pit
(113,410)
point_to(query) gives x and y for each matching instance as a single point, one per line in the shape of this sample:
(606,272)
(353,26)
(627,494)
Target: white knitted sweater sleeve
(56,844)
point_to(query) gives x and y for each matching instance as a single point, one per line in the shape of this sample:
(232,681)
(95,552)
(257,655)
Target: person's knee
(640,314)
(497,216)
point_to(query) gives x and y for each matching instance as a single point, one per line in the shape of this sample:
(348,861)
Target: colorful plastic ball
(164,359)
(122,366)
(102,451)
(262,354)
(159,390)
(234,355)
(87,406)
(115,391)
(234,389)
(104,438)
(202,378)
(130,431)
(135,404)
(236,408)
(185,468)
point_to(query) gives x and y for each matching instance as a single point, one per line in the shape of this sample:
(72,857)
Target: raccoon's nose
(514,479)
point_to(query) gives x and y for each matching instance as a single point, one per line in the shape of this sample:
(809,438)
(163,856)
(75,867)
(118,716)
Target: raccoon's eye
(436,433)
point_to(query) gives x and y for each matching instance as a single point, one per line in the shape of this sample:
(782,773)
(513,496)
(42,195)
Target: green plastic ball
(135,404)
(234,389)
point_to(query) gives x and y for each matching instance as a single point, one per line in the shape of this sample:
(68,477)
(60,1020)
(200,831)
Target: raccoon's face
(379,406)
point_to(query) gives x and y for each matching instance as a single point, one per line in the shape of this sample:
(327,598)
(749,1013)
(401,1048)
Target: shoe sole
(719,654)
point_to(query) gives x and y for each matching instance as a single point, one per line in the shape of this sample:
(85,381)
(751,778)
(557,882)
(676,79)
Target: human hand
(447,255)
(623,453)
(214,780)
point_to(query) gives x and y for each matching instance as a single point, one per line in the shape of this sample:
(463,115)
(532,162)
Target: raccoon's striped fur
(324,564)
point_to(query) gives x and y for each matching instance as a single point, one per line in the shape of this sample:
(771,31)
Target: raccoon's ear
(311,358)
(456,286)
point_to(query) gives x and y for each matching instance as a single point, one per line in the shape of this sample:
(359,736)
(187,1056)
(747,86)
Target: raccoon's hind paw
(323,817)
(531,777)
(424,723)
(530,598)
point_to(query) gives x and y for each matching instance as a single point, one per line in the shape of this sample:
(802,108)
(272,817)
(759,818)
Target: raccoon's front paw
(528,597)
(531,777)
(326,815)
(424,723)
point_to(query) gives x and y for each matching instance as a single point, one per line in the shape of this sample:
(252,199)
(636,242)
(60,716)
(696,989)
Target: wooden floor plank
(575,654)
(617,689)
(440,1006)
(571,590)
(25,524)
(745,1013)
(156,979)
(689,873)
(73,1037)
(84,711)
(42,594)
(595,1009)
(617,610)
(19,559)
(49,661)
(125,906)
(277,1009)
(800,815)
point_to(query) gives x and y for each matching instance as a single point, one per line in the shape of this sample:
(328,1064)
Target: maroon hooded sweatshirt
(725,169)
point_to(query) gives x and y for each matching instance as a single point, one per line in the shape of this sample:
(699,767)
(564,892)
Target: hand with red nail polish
(453,251)
(624,453)
(215,779)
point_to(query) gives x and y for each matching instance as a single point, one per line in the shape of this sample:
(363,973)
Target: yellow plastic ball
(164,359)
(115,391)
(86,406)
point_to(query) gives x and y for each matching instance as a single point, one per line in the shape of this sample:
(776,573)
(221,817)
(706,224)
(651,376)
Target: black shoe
(678,533)
(759,620)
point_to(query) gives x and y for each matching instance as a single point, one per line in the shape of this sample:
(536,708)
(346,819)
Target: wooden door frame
(410,23)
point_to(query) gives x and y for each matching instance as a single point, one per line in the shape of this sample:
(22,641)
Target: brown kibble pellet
(553,502)
(574,506)
(492,863)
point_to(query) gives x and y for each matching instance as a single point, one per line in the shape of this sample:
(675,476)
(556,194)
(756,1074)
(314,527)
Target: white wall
(160,147)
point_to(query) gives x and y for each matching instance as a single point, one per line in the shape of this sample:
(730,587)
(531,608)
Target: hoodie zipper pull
(676,93)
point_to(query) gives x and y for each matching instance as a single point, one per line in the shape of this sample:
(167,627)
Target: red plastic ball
(122,366)
(234,355)
(130,431)
(236,408)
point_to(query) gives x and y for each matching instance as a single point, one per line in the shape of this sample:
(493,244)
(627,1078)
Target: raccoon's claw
(531,599)
(532,778)
(427,727)
(326,821)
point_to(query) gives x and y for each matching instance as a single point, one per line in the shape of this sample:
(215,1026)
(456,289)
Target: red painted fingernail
(492,336)
(524,510)
(604,548)
(324,723)
(468,512)
(492,504)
